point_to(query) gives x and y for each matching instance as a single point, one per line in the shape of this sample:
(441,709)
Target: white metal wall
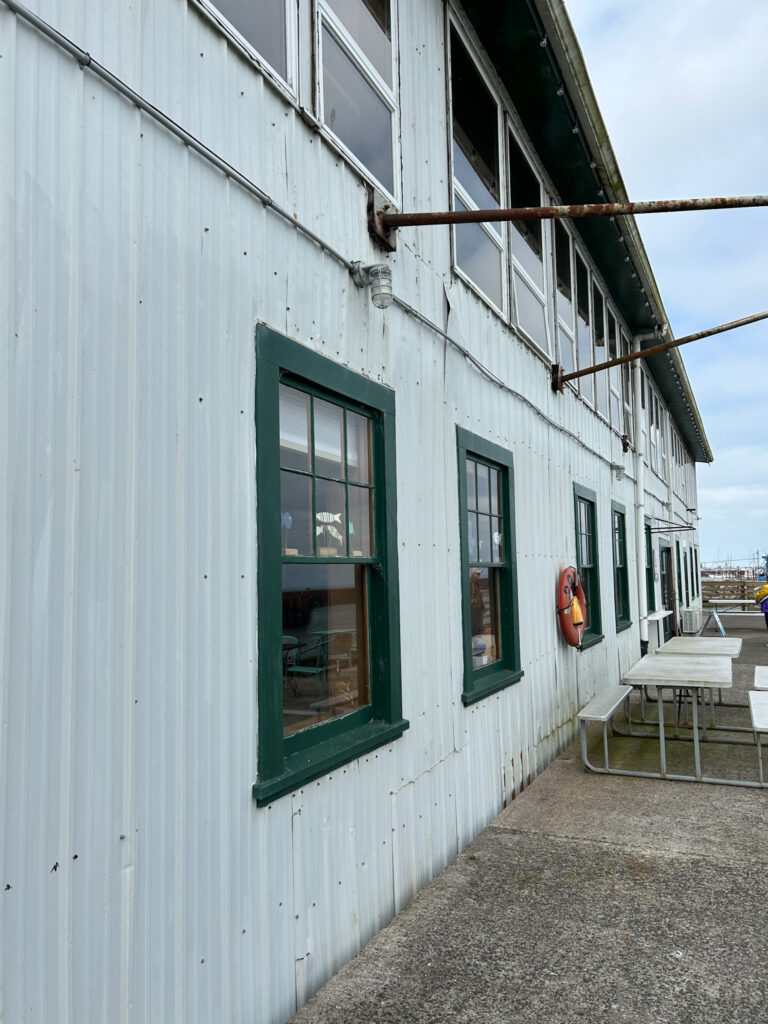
(140,882)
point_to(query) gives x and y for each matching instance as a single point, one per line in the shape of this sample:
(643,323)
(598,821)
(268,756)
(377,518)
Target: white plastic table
(703,646)
(699,673)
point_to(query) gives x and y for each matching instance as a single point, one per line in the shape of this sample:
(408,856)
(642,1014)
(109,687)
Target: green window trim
(287,762)
(620,567)
(489,679)
(650,583)
(584,499)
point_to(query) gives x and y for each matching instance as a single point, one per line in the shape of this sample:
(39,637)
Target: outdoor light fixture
(379,277)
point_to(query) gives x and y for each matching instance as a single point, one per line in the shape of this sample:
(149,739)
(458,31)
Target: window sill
(307,765)
(591,641)
(491,686)
(622,625)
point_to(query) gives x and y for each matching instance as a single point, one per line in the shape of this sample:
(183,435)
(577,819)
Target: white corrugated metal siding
(141,883)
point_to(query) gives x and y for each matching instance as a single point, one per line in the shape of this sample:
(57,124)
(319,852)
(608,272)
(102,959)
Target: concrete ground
(590,898)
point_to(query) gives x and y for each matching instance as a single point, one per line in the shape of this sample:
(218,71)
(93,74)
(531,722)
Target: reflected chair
(309,663)
(341,650)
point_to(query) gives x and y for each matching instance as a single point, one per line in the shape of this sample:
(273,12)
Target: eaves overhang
(534,50)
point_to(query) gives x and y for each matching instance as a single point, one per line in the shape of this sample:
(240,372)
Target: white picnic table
(699,673)
(715,605)
(703,646)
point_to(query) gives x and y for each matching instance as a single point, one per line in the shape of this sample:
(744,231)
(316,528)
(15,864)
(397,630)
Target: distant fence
(729,589)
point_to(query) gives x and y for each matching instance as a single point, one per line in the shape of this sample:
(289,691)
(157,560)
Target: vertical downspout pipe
(637,411)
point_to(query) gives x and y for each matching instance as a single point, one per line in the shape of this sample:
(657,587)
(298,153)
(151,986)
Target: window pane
(355,112)
(484,616)
(563,273)
(566,351)
(527,236)
(495,505)
(471,489)
(497,546)
(360,522)
(483,488)
(328,439)
(358,449)
(531,315)
(330,519)
(584,336)
(296,514)
(294,429)
(601,379)
(369,24)
(325,643)
(484,538)
(262,24)
(472,536)
(475,129)
(479,257)
(588,583)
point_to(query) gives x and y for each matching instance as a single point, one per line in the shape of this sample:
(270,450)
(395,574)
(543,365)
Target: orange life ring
(571,602)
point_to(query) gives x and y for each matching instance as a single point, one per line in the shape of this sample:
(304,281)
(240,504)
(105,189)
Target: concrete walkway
(590,898)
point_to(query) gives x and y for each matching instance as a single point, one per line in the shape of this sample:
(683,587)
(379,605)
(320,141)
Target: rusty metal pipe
(398,220)
(560,378)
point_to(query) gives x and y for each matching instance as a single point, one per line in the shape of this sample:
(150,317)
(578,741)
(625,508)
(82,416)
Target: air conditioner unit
(691,620)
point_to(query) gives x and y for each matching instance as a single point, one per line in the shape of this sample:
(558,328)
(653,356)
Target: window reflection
(360,524)
(525,190)
(479,257)
(325,647)
(484,616)
(355,112)
(369,24)
(294,429)
(263,24)
(475,129)
(358,449)
(330,519)
(584,336)
(296,514)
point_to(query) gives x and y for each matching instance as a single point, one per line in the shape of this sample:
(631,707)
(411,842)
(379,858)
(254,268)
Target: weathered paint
(141,882)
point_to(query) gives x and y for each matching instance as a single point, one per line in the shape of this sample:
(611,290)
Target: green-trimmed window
(650,584)
(491,640)
(587,563)
(680,596)
(329,643)
(620,573)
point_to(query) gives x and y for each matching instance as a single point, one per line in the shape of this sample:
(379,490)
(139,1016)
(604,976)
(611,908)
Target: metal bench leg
(760,758)
(662,748)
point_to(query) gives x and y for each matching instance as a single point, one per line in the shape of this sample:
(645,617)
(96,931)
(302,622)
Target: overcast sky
(683,89)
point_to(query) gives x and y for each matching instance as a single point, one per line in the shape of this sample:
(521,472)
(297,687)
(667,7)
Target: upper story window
(476,115)
(616,406)
(264,25)
(626,387)
(599,335)
(528,243)
(356,81)
(583,330)
(565,307)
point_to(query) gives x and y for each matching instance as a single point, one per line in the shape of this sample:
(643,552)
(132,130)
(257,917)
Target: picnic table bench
(602,708)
